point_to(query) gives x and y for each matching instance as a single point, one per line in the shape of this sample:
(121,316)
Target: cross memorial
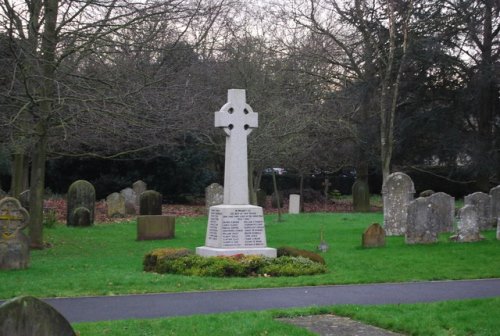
(236,227)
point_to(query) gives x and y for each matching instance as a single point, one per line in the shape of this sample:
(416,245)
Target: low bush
(287,251)
(183,262)
(153,258)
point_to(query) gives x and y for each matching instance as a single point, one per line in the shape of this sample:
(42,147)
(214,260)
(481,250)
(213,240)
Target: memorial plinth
(236,227)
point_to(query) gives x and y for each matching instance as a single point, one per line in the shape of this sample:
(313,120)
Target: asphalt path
(101,308)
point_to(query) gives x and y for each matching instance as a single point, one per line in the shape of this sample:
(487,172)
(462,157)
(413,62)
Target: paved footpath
(86,309)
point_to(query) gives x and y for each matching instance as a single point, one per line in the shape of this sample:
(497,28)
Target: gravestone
(155,227)
(294,204)
(397,193)
(130,201)
(495,202)
(150,203)
(468,225)
(360,196)
(422,222)
(482,202)
(14,245)
(236,227)
(29,316)
(374,236)
(214,195)
(81,194)
(445,210)
(427,193)
(139,187)
(498,230)
(116,205)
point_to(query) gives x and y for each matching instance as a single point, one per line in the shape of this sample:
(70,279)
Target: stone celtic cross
(237,119)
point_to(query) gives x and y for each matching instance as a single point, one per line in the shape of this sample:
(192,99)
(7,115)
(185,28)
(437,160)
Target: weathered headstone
(422,225)
(468,225)
(495,202)
(214,195)
(445,210)
(294,204)
(397,193)
(28,316)
(482,202)
(374,236)
(360,196)
(130,201)
(236,227)
(150,203)
(155,227)
(426,193)
(139,187)
(116,205)
(81,194)
(14,245)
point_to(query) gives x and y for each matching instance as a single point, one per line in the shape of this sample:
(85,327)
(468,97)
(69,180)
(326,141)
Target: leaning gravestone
(397,193)
(294,204)
(116,205)
(139,187)
(360,196)
(374,236)
(130,200)
(29,316)
(445,210)
(150,203)
(422,222)
(214,195)
(467,226)
(14,245)
(482,202)
(495,202)
(81,204)
(236,227)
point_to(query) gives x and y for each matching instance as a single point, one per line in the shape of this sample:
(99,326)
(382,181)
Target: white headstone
(294,207)
(236,227)
(397,193)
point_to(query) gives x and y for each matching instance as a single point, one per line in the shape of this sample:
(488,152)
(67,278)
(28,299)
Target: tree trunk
(276,192)
(18,177)
(37,192)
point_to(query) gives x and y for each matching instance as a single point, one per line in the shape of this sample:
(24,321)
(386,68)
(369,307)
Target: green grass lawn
(468,317)
(107,260)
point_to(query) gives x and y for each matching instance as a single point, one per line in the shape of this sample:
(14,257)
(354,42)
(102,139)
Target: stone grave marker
(360,196)
(139,187)
(468,225)
(397,193)
(236,227)
(214,195)
(152,227)
(498,230)
(14,245)
(445,210)
(24,199)
(150,203)
(81,196)
(294,204)
(374,236)
(495,202)
(130,201)
(482,202)
(116,205)
(29,316)
(422,226)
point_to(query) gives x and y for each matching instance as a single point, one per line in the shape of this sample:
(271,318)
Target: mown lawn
(460,318)
(107,260)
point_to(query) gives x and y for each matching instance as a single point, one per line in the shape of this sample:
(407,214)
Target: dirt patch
(331,325)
